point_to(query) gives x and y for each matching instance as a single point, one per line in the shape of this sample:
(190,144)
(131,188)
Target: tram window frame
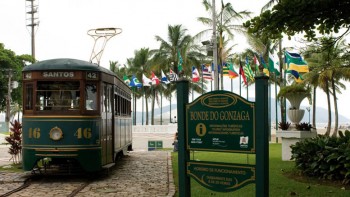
(91,102)
(29,95)
(58,96)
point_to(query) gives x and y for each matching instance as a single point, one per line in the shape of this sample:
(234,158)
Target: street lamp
(308,110)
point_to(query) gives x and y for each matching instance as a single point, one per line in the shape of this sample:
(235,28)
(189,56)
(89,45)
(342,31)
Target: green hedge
(324,157)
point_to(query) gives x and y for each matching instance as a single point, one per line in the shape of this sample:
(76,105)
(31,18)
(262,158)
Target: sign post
(221,121)
(183,156)
(262,137)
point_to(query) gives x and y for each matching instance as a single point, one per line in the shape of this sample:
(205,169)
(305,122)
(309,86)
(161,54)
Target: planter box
(291,137)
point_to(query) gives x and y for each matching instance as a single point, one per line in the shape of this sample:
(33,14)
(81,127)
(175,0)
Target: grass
(11,168)
(284,179)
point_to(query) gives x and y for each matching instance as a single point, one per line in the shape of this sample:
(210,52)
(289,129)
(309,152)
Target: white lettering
(58,74)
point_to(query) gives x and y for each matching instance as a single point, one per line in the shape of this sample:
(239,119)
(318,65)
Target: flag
(256,63)
(272,63)
(146,81)
(195,74)
(297,77)
(295,65)
(172,75)
(206,72)
(225,70)
(266,70)
(135,82)
(180,61)
(155,80)
(126,80)
(241,72)
(231,72)
(248,70)
(164,78)
(295,62)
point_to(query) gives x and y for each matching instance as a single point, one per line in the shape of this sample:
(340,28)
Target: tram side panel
(122,133)
(62,138)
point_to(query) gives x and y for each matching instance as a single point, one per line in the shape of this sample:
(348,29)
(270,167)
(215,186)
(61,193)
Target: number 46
(86,133)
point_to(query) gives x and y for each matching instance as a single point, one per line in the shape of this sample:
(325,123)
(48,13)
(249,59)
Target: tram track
(51,185)
(25,184)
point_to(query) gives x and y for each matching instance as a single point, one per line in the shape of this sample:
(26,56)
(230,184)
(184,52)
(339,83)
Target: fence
(170,128)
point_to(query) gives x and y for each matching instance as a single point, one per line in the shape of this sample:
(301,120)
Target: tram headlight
(56,133)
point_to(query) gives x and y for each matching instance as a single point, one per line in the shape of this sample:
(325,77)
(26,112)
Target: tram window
(29,97)
(116,104)
(91,96)
(60,95)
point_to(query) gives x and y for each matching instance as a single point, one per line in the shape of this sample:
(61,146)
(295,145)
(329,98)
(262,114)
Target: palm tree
(167,55)
(224,19)
(326,60)
(179,41)
(141,64)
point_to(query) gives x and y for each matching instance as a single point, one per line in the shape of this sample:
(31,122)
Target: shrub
(15,140)
(303,126)
(283,125)
(324,157)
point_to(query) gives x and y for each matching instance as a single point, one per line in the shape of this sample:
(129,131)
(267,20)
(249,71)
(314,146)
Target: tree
(11,64)
(224,25)
(179,42)
(167,57)
(295,16)
(141,64)
(327,68)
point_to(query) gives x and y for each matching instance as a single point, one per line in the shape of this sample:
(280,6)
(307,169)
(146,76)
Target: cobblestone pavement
(141,173)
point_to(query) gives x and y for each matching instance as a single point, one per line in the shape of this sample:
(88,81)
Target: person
(175,142)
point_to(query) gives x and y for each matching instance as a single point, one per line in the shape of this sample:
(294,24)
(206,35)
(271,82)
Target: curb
(171,184)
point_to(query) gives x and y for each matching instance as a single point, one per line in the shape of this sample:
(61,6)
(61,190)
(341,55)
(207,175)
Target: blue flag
(135,82)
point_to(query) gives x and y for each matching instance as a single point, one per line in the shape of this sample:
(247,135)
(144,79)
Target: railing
(170,128)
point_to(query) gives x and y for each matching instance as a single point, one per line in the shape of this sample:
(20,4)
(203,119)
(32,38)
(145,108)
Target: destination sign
(221,121)
(221,177)
(58,74)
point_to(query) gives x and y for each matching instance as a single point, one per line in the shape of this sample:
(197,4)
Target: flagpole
(192,91)
(161,108)
(133,91)
(247,91)
(170,109)
(276,124)
(240,82)
(143,97)
(215,49)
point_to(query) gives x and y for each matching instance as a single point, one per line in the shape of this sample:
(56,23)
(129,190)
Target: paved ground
(140,173)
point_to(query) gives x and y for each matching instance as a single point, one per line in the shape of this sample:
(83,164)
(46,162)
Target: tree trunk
(153,101)
(282,83)
(146,99)
(329,111)
(335,110)
(314,109)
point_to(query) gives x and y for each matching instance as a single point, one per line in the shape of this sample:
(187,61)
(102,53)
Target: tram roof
(66,64)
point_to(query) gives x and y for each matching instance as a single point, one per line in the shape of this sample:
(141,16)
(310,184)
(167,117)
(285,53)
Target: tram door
(107,126)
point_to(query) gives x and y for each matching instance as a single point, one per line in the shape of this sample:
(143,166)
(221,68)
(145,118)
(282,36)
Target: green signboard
(221,177)
(153,145)
(221,121)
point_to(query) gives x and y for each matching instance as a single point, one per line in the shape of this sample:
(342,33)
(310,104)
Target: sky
(63,27)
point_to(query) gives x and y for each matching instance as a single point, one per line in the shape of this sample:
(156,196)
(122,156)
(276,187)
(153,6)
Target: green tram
(74,112)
